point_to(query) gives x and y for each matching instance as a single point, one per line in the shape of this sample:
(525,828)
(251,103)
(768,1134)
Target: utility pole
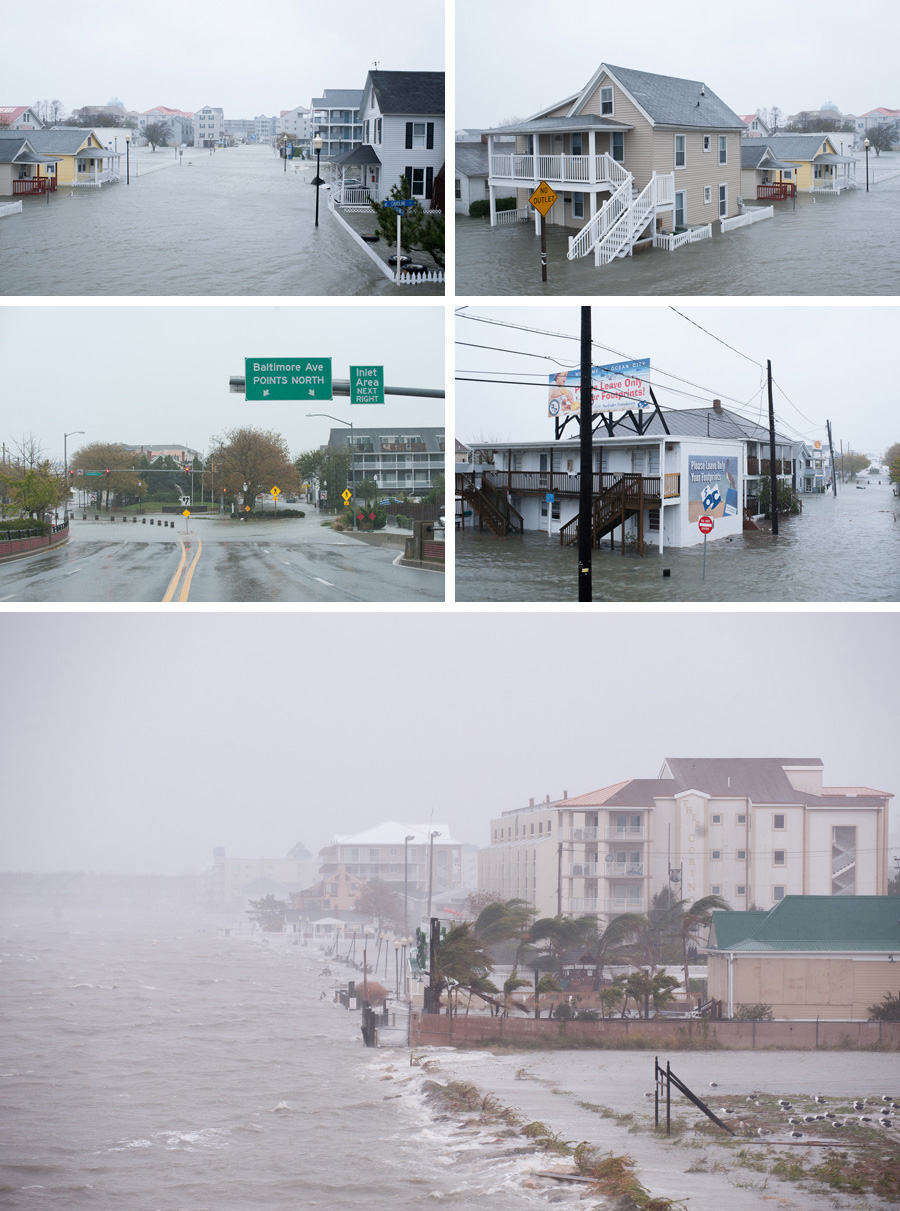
(831,451)
(773,477)
(585,493)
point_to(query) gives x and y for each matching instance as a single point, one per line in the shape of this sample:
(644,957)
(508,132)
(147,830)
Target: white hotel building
(751,830)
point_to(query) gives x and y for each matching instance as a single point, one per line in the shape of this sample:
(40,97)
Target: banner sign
(617,387)
(712,486)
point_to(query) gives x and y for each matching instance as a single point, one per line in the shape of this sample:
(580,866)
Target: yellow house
(817,165)
(81,159)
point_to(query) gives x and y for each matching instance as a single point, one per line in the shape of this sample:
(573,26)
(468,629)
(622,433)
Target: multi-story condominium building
(335,119)
(295,122)
(209,126)
(263,128)
(230,881)
(751,830)
(399,460)
(420,855)
(179,122)
(239,129)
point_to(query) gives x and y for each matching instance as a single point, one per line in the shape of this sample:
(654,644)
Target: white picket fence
(752,215)
(670,240)
(9,208)
(416,279)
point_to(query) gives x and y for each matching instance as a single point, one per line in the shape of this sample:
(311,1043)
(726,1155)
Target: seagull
(864,1118)
(797,1135)
(886,1122)
(818,1099)
(885,1098)
(713,1084)
(809,1118)
(830,1114)
(859,1105)
(649,1095)
(761,1131)
(782,1101)
(795,1120)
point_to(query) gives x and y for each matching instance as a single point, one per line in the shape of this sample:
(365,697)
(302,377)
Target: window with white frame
(716,855)
(741,855)
(606,101)
(778,821)
(707,193)
(742,818)
(723,201)
(715,889)
(458,188)
(618,146)
(723,149)
(741,889)
(707,142)
(777,893)
(778,857)
(578,205)
(716,818)
(680,150)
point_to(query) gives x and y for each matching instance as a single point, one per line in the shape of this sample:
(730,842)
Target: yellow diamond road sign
(276,492)
(346,494)
(186,513)
(543,198)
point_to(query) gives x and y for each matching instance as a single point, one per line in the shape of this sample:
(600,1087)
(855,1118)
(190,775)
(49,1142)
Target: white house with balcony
(401,114)
(651,487)
(632,156)
(751,830)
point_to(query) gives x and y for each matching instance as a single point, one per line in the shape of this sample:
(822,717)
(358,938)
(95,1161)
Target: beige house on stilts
(633,157)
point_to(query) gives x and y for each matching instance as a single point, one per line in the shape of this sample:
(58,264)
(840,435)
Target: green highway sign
(91,472)
(281,378)
(367,384)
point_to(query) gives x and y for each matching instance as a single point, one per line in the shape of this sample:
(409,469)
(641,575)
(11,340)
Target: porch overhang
(362,154)
(550,126)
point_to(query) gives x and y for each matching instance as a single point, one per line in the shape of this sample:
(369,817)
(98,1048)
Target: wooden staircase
(492,507)
(615,504)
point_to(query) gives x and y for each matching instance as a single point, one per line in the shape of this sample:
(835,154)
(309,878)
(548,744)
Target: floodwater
(157,1065)
(830,244)
(844,548)
(229,223)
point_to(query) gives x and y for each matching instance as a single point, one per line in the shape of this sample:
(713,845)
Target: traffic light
(71,475)
(107,470)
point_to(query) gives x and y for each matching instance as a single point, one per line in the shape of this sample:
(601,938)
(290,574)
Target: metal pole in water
(585,487)
(704,558)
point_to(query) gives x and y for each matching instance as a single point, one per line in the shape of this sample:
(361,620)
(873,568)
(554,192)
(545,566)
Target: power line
(716,338)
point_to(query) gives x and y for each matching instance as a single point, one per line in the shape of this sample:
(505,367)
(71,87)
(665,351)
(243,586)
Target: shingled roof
(671,101)
(408,92)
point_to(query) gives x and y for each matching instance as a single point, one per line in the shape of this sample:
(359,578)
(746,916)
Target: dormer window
(606,102)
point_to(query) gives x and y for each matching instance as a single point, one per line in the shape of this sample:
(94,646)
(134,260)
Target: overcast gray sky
(147,375)
(824,362)
(248,59)
(513,61)
(144,740)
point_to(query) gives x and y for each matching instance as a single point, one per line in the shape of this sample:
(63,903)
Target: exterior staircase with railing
(614,229)
(612,508)
(492,507)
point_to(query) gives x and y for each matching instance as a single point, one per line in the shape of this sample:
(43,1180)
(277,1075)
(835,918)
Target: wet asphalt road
(216,561)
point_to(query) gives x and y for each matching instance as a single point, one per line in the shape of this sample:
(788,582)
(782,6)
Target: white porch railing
(752,214)
(603,221)
(356,196)
(101,178)
(836,186)
(558,170)
(513,216)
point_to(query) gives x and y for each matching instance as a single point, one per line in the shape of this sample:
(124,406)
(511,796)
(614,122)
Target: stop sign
(706,524)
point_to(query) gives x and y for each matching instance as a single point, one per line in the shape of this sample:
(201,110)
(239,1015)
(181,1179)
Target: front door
(680,196)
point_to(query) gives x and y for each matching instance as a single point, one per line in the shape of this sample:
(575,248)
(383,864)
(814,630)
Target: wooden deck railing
(537,483)
(777,192)
(34,185)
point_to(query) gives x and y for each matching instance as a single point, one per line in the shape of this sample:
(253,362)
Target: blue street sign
(290,151)
(550,498)
(403,204)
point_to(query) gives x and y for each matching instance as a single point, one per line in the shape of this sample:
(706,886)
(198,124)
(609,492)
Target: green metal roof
(812,923)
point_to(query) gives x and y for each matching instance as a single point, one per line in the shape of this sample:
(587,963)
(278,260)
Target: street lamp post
(406,841)
(867,165)
(66,437)
(317,144)
(396,969)
(349,426)
(128,157)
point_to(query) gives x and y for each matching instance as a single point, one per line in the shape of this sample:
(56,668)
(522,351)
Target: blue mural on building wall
(712,486)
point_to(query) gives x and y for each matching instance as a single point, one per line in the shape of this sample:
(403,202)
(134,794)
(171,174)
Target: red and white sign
(706,524)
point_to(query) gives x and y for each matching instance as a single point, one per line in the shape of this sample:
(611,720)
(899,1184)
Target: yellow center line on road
(174,581)
(185,588)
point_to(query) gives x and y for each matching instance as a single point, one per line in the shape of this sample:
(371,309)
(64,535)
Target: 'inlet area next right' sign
(281,378)
(367,384)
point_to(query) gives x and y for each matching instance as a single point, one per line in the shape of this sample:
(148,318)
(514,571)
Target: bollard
(667,571)
(134,519)
(143,521)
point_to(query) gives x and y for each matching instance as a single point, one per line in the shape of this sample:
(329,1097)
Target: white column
(662,495)
(592,151)
(491,194)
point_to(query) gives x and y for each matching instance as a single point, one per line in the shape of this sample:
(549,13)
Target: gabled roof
(667,100)
(710,422)
(796,147)
(760,779)
(407,92)
(811,923)
(62,140)
(13,112)
(361,154)
(472,159)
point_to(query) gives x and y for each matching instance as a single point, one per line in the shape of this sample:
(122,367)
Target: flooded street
(830,244)
(231,223)
(840,549)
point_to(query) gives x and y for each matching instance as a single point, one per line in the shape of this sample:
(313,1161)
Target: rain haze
(146,742)
(822,366)
(511,66)
(172,365)
(246,61)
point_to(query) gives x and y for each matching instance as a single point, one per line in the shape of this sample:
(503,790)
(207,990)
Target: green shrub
(481,208)
(757,1012)
(25,523)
